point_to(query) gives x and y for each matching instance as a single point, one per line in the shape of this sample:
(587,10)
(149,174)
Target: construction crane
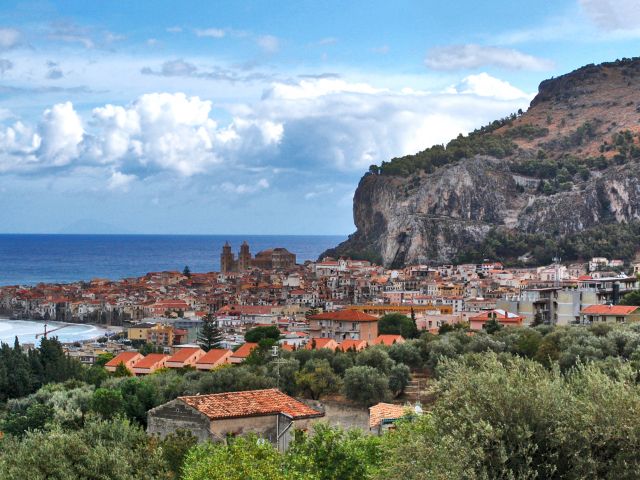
(47,332)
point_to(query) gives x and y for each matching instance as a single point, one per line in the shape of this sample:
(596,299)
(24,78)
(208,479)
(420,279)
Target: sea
(26,331)
(31,259)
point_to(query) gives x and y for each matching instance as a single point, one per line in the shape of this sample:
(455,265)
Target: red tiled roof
(345,316)
(609,310)
(123,357)
(183,354)
(384,411)
(356,344)
(150,360)
(250,404)
(214,355)
(245,349)
(317,343)
(388,339)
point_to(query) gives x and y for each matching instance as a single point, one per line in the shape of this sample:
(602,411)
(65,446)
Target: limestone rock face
(431,217)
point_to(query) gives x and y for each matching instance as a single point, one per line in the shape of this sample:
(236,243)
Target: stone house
(269,414)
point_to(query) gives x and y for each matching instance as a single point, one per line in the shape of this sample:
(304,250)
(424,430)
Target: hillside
(561,178)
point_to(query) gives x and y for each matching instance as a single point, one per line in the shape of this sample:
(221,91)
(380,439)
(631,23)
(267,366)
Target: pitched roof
(318,343)
(244,350)
(250,404)
(123,357)
(388,339)
(384,411)
(183,354)
(501,316)
(150,360)
(609,309)
(213,356)
(356,344)
(345,316)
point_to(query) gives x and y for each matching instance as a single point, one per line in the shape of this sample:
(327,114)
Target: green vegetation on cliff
(615,240)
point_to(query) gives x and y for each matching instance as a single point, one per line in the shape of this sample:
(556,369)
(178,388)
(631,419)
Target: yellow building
(139,331)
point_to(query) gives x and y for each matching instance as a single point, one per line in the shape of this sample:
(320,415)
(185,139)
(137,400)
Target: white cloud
(314,124)
(211,32)
(484,85)
(120,181)
(9,37)
(242,189)
(62,132)
(269,43)
(613,15)
(470,56)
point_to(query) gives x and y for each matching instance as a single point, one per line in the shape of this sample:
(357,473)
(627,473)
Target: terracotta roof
(345,316)
(383,411)
(183,354)
(388,339)
(609,310)
(355,344)
(150,360)
(251,403)
(214,355)
(123,357)
(318,343)
(244,350)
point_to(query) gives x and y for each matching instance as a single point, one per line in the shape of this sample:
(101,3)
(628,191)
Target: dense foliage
(428,160)
(615,240)
(539,402)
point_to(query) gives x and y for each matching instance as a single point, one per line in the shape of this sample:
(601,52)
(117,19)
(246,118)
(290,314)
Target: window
(620,319)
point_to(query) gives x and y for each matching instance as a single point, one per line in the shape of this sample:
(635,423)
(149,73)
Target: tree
(399,378)
(492,326)
(122,371)
(262,333)
(397,324)
(107,402)
(186,271)
(445,328)
(175,447)
(331,453)
(241,459)
(376,357)
(632,299)
(366,385)
(103,358)
(209,336)
(117,450)
(317,378)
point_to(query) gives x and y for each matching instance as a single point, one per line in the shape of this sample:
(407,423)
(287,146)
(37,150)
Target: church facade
(271,259)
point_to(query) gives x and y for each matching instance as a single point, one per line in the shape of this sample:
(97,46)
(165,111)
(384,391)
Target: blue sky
(258,117)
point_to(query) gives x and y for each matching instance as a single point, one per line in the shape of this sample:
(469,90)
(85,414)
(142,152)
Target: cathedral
(272,259)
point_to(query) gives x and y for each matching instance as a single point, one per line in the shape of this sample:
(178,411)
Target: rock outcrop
(574,166)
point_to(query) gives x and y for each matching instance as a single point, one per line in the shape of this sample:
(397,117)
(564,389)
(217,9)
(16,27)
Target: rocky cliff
(525,187)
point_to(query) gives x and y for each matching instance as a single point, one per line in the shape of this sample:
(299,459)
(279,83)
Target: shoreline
(105,330)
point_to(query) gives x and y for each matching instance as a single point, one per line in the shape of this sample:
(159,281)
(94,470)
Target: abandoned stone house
(270,414)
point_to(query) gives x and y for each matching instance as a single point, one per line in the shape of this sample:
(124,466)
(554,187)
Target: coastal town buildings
(310,304)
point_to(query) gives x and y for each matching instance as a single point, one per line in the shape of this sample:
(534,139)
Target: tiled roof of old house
(250,403)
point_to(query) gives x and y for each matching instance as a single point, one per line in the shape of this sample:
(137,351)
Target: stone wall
(175,415)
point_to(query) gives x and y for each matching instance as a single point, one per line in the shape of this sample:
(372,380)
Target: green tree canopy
(397,324)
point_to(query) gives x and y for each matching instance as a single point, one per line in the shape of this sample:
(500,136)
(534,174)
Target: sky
(255,117)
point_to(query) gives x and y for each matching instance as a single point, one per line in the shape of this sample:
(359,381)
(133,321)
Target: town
(332,303)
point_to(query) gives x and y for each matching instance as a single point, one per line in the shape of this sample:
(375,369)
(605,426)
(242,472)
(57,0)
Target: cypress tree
(210,335)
